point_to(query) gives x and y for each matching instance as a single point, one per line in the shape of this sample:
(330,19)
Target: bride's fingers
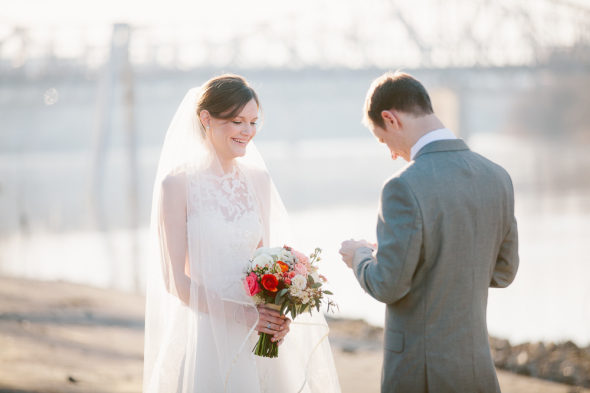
(285,324)
(265,329)
(269,311)
(280,335)
(280,342)
(265,319)
(271,326)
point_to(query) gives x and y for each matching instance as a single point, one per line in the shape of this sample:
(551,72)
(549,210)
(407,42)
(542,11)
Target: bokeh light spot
(50,96)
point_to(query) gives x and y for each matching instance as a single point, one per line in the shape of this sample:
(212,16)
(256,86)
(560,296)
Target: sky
(353,33)
(230,12)
(79,13)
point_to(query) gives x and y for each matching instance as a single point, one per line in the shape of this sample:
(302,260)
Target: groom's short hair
(399,91)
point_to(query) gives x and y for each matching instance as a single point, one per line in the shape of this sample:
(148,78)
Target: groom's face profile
(390,134)
(397,109)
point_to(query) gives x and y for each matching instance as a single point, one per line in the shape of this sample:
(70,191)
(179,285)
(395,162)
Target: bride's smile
(230,137)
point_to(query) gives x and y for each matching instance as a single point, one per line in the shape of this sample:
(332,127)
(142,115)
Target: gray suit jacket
(446,232)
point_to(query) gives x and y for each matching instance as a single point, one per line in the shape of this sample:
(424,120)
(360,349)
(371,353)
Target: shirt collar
(432,136)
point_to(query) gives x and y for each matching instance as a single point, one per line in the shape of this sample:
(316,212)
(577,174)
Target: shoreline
(64,337)
(564,363)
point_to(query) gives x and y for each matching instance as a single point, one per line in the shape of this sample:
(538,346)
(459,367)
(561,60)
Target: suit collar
(444,145)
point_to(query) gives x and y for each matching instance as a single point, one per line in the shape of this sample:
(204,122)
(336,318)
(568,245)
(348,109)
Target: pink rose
(287,281)
(300,256)
(251,284)
(300,268)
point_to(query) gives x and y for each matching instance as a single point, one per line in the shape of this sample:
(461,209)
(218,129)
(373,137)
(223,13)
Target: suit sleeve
(507,261)
(386,274)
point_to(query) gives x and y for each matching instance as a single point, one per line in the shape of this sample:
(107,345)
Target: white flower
(299,281)
(260,251)
(295,291)
(275,251)
(315,276)
(305,297)
(261,261)
(285,256)
(257,299)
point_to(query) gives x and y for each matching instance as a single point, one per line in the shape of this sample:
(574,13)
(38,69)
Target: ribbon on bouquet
(252,331)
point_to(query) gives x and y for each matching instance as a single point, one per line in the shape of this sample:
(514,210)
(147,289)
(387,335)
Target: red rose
(270,282)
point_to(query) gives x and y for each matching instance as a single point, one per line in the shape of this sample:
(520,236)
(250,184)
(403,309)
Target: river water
(330,188)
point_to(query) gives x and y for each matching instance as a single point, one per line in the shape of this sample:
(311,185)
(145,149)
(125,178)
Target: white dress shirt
(432,136)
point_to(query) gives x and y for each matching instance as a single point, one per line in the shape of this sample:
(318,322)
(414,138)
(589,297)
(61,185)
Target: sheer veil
(191,284)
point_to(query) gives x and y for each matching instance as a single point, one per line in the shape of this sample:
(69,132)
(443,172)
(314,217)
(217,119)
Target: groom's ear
(390,119)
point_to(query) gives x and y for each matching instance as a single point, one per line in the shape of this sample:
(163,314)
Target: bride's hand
(270,322)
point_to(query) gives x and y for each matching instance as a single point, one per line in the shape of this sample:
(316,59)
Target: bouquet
(288,281)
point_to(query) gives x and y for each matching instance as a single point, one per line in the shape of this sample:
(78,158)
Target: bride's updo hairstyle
(224,97)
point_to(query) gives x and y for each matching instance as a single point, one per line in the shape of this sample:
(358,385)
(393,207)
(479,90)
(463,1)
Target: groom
(446,232)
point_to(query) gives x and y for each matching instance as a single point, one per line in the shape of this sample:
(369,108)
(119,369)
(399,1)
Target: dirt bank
(62,337)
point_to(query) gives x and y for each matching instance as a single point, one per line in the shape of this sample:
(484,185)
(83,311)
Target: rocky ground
(564,363)
(62,337)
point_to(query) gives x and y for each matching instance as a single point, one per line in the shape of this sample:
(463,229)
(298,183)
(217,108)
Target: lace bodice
(229,212)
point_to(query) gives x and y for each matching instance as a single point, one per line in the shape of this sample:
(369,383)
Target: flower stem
(265,347)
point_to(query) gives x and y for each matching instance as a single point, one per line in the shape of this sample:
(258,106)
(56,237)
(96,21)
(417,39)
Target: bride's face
(231,137)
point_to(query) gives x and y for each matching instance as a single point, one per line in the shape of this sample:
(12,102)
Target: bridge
(377,34)
(489,65)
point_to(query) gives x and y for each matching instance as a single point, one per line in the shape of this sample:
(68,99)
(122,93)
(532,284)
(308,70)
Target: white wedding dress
(229,207)
(194,342)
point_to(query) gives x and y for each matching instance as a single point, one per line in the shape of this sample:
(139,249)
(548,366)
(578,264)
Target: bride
(214,204)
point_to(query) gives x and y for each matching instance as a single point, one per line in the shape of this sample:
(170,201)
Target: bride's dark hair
(225,96)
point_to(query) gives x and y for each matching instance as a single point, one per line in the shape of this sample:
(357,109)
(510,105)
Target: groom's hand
(349,247)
